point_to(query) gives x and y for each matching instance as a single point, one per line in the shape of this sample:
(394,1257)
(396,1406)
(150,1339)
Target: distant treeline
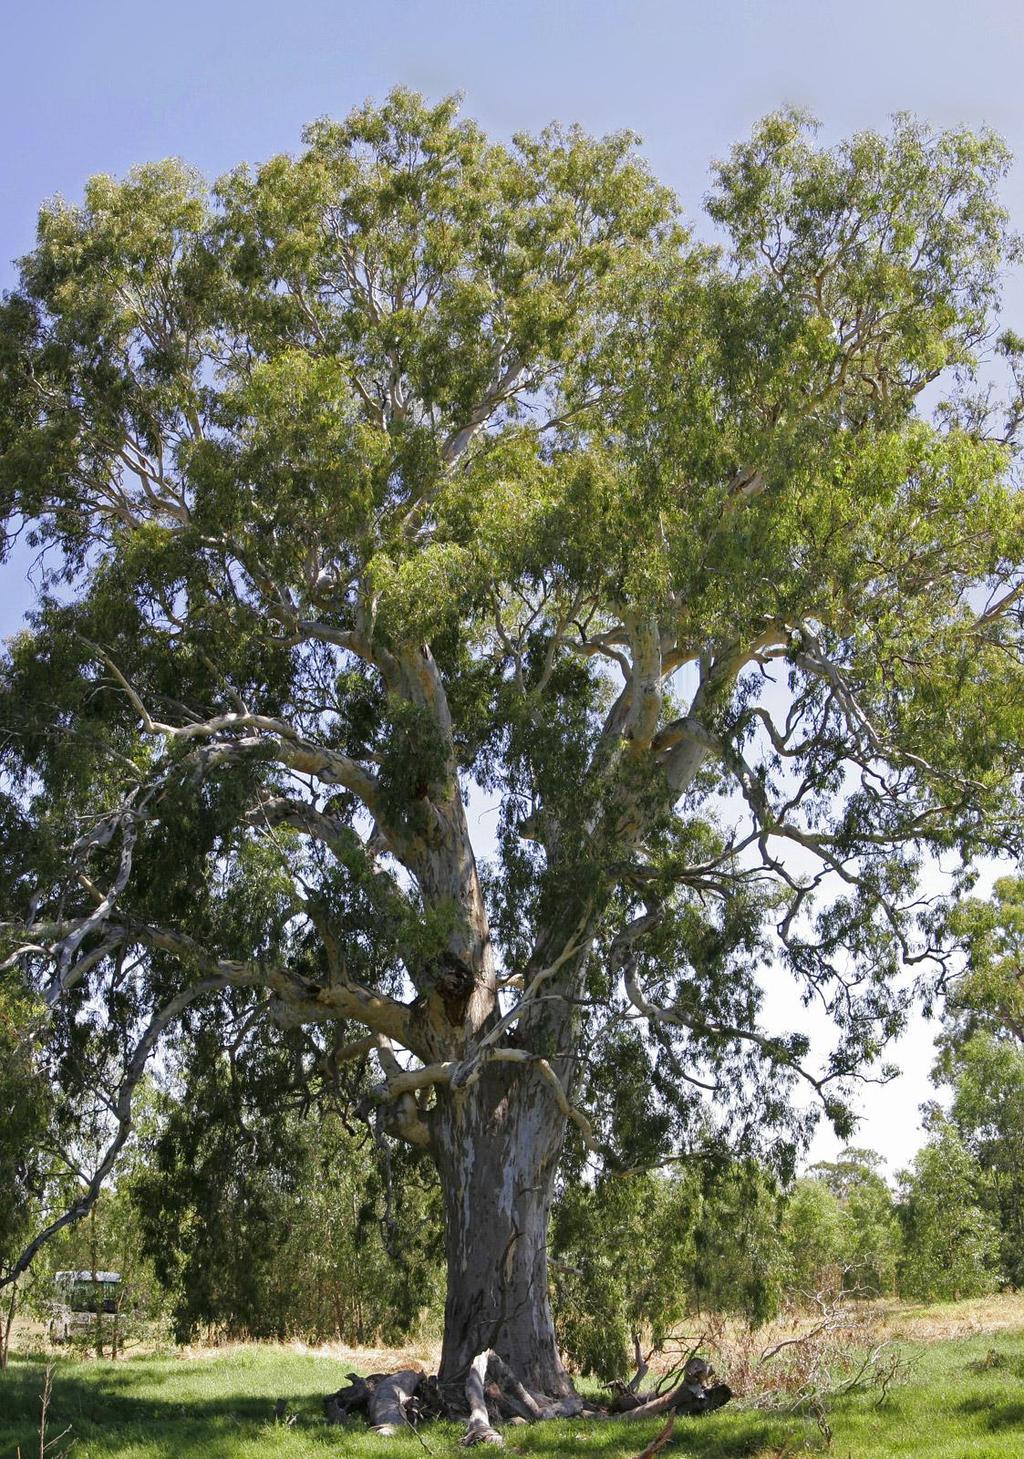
(237,1222)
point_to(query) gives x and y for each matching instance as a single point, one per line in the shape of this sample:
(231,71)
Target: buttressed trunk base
(497,1146)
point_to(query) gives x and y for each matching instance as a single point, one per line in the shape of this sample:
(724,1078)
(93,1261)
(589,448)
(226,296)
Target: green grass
(964,1399)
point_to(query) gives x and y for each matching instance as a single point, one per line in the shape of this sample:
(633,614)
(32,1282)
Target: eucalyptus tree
(987,994)
(486,626)
(981,1055)
(951,1242)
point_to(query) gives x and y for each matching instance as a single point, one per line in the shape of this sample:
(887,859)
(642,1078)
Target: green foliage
(951,1244)
(621,1251)
(816,1237)
(262,1223)
(987,1075)
(842,1228)
(633,1256)
(109,1239)
(875,1250)
(990,993)
(414,463)
(738,1266)
(981,1056)
(24,1117)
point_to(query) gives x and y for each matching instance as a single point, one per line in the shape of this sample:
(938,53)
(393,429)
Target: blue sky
(96,85)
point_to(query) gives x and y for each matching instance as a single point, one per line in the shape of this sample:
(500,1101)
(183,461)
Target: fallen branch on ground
(493,1395)
(659,1441)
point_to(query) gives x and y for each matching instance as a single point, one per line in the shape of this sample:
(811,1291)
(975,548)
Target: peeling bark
(497,1145)
(388,1400)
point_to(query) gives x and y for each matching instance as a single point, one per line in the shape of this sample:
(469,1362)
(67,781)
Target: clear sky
(96,85)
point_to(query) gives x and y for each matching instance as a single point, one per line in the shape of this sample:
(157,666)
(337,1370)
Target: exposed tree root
(493,1396)
(479,1430)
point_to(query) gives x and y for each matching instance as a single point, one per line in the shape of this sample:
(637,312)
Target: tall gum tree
(417,468)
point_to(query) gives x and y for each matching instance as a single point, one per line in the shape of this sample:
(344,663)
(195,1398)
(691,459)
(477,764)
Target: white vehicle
(80,1296)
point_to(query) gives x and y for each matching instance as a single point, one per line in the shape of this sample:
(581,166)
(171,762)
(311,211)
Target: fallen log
(493,1394)
(426,1403)
(388,1401)
(508,1398)
(623,1397)
(690,1397)
(507,1393)
(353,1398)
(682,1401)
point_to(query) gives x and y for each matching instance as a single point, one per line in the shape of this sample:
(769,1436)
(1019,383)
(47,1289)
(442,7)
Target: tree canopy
(417,473)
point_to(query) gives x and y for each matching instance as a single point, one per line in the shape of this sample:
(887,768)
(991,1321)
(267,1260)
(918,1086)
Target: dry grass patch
(947,1321)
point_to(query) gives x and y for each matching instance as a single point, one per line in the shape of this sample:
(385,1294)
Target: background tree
(365,1257)
(634,1257)
(739,1257)
(264,1223)
(108,1239)
(817,1236)
(613,1244)
(223,1179)
(981,1055)
(871,1245)
(417,467)
(24,1121)
(951,1243)
(987,1078)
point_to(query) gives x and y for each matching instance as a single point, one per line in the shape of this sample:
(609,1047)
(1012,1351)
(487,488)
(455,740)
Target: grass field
(962,1398)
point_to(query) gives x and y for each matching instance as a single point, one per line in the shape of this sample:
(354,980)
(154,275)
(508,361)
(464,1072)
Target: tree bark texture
(497,1145)
(388,1400)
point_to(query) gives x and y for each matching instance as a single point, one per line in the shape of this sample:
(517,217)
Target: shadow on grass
(108,1420)
(995,1414)
(87,1390)
(106,1417)
(109,1416)
(734,1435)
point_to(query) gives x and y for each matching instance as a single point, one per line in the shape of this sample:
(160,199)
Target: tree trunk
(497,1145)
(6,1325)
